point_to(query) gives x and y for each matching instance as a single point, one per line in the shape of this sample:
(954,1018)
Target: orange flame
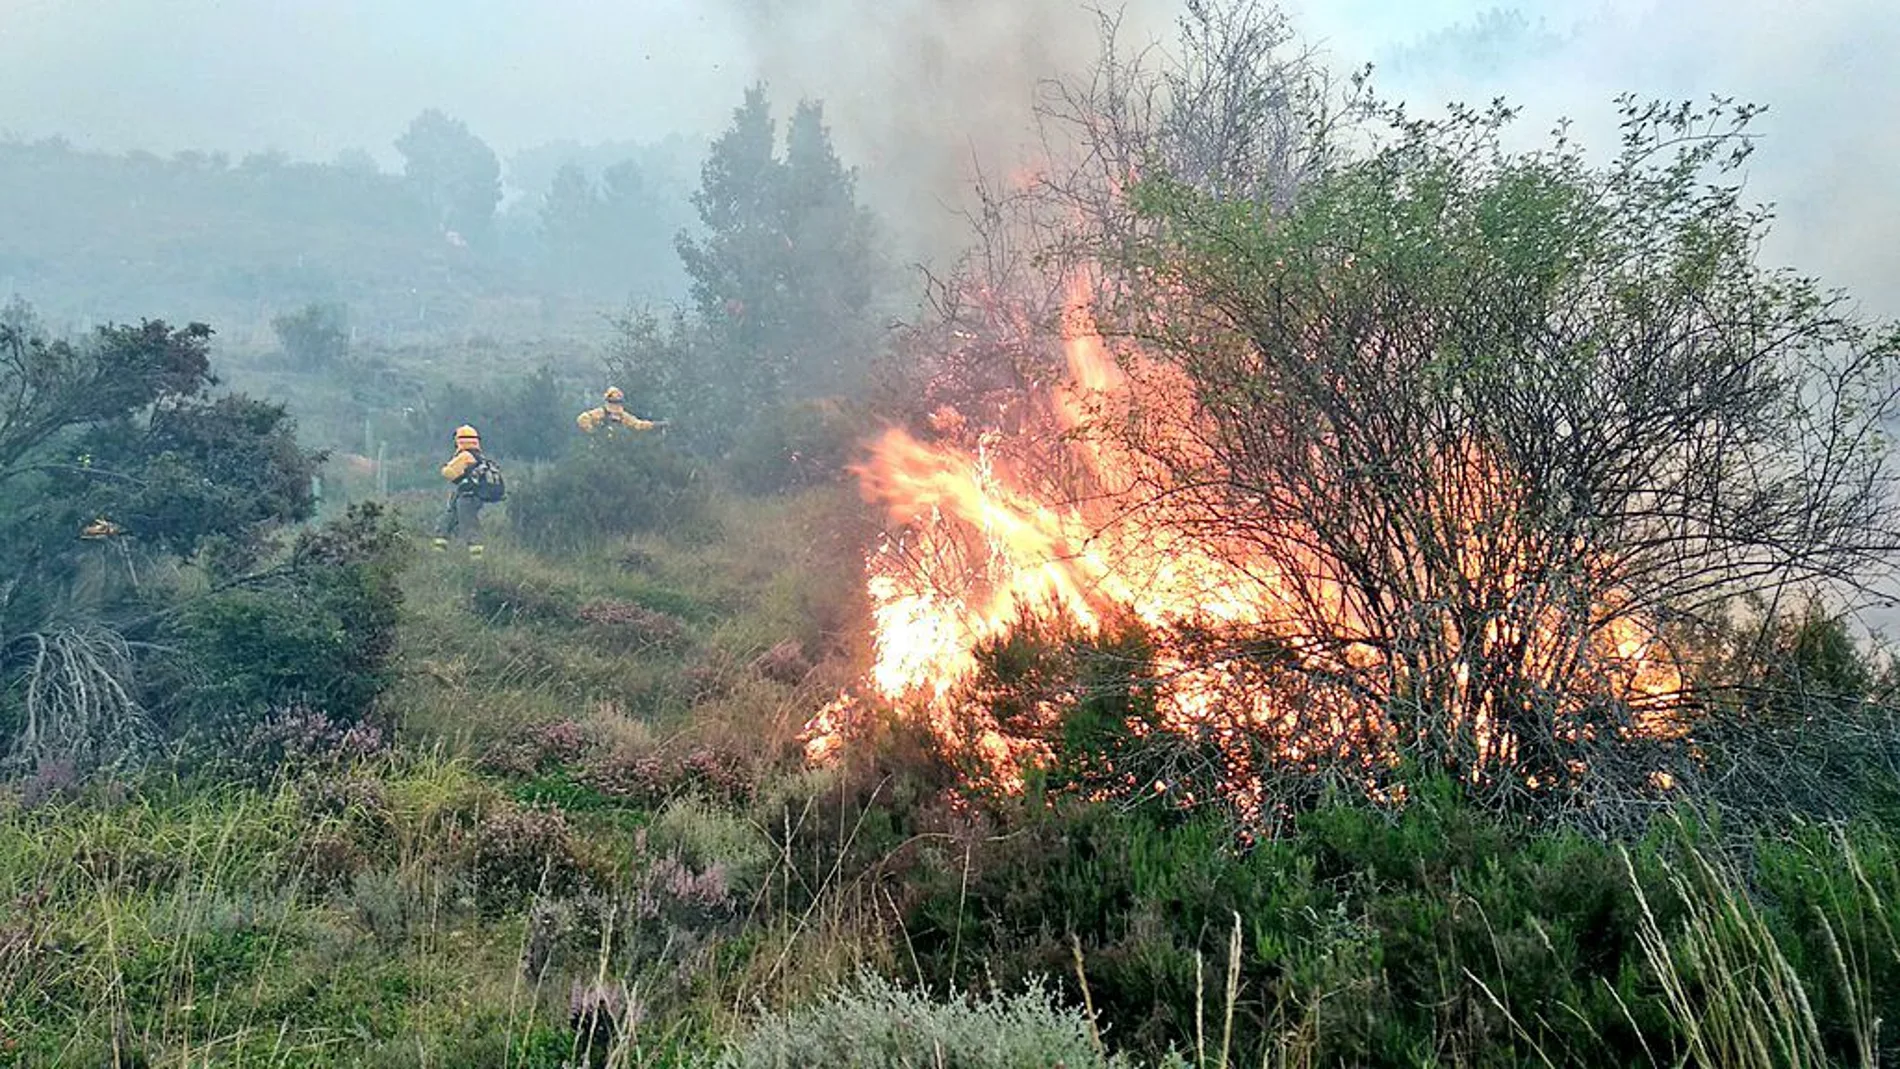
(1065,523)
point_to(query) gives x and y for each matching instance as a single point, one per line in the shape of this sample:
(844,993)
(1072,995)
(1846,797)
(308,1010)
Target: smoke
(923,95)
(920,92)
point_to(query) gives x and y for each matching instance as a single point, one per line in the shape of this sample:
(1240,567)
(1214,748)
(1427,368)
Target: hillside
(584,823)
(1308,585)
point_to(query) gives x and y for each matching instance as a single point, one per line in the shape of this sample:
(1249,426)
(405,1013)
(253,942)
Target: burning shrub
(1422,470)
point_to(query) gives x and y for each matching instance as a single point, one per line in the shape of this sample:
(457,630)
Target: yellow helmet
(614,396)
(466,433)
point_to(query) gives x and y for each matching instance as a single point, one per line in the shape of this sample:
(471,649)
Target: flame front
(1058,520)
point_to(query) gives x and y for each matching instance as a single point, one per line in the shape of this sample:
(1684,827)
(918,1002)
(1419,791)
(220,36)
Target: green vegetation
(282,788)
(591,831)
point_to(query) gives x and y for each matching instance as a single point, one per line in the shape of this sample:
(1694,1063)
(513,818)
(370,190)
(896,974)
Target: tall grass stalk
(1729,989)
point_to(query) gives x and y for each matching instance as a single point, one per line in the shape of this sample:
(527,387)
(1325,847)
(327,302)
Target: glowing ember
(1057,522)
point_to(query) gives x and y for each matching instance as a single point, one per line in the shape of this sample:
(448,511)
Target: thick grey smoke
(921,94)
(917,90)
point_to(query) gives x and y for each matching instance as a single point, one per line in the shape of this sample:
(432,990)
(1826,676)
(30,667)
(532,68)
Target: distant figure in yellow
(476,481)
(613,412)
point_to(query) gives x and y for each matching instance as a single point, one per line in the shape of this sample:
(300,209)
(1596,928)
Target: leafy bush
(523,417)
(317,632)
(877,1025)
(315,336)
(608,488)
(793,445)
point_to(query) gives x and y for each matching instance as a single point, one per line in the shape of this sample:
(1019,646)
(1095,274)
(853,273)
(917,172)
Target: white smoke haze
(926,95)
(1827,153)
(919,90)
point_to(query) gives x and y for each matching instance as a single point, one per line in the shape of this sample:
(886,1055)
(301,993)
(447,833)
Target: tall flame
(1062,522)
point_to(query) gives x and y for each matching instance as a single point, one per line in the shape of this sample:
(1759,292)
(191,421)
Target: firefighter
(613,411)
(475,481)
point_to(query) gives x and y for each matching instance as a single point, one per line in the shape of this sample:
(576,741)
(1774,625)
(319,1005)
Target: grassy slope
(594,800)
(331,912)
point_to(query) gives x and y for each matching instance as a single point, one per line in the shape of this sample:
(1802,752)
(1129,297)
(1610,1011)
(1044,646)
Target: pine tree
(454,172)
(570,220)
(784,272)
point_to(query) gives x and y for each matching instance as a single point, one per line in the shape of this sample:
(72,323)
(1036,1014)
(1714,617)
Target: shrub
(505,599)
(608,488)
(785,662)
(316,633)
(537,748)
(1378,936)
(525,417)
(302,736)
(877,1025)
(1800,719)
(519,853)
(702,836)
(314,336)
(651,776)
(793,445)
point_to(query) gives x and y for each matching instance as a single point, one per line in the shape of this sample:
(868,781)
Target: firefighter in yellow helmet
(612,412)
(475,481)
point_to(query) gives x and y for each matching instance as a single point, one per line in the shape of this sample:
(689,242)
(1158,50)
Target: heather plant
(518,853)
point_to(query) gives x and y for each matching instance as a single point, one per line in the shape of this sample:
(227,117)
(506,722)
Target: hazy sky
(924,82)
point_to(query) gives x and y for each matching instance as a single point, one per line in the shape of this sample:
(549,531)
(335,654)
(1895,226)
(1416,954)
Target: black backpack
(485,482)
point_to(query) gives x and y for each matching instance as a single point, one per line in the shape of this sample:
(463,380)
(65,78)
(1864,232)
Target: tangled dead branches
(76,701)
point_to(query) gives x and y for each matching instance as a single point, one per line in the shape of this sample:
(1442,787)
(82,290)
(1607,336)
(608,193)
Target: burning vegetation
(1051,518)
(1266,467)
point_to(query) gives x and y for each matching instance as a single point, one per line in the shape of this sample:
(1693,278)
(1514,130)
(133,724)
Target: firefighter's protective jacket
(468,449)
(609,414)
(459,464)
